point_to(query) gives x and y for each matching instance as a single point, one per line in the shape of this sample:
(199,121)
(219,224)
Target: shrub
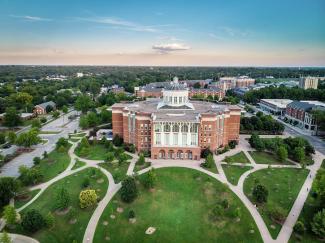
(150,179)
(205,152)
(62,142)
(318,224)
(72,214)
(131,214)
(232,144)
(61,149)
(225,203)
(84,143)
(299,227)
(277,214)
(117,140)
(36,123)
(129,190)
(85,182)
(8,189)
(109,157)
(10,214)
(29,176)
(209,162)
(45,154)
(49,220)
(5,238)
(87,198)
(32,221)
(260,193)
(43,120)
(141,160)
(217,212)
(37,160)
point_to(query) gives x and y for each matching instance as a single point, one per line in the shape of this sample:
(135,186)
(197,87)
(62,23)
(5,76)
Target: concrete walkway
(15,238)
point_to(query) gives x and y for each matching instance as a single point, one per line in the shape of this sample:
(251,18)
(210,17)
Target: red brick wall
(196,152)
(117,123)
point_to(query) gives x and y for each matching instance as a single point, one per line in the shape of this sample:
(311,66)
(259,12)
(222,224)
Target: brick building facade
(173,127)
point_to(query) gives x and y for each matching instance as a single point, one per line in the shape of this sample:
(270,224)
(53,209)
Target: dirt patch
(73,221)
(62,212)
(113,216)
(150,230)
(100,181)
(152,190)
(133,220)
(105,223)
(24,197)
(119,210)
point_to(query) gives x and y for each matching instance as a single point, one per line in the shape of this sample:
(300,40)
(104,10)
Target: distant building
(227,83)
(23,116)
(41,108)
(308,82)
(80,75)
(275,106)
(212,91)
(300,114)
(175,127)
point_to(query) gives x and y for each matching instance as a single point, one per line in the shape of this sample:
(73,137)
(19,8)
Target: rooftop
(281,103)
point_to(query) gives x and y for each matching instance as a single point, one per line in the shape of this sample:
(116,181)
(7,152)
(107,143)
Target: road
(60,125)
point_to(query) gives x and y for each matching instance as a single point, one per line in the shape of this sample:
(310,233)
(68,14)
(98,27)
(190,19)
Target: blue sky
(240,33)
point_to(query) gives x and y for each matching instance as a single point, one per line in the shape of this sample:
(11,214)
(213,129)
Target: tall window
(180,100)
(167,128)
(166,138)
(184,138)
(175,139)
(184,128)
(157,128)
(175,100)
(193,139)
(175,128)
(158,138)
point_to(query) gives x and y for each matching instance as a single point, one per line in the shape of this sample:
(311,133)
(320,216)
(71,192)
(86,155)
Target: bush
(131,214)
(87,198)
(150,179)
(260,193)
(9,186)
(109,157)
(146,153)
(43,120)
(62,142)
(2,138)
(32,221)
(30,176)
(86,182)
(232,144)
(37,160)
(141,160)
(225,203)
(318,224)
(209,162)
(36,123)
(277,214)
(129,190)
(205,152)
(10,214)
(217,212)
(49,220)
(299,227)
(129,147)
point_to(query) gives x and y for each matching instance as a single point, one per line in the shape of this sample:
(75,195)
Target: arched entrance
(171,154)
(179,154)
(189,154)
(161,154)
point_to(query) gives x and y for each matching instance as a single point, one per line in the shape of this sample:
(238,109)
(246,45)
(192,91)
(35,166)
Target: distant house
(41,108)
(23,116)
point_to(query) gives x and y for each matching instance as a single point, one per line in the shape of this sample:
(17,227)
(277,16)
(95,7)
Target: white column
(189,134)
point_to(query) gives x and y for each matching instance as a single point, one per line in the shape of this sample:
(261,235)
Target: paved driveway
(62,125)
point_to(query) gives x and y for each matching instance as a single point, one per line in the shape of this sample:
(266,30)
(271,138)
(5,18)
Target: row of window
(173,139)
(176,128)
(175,99)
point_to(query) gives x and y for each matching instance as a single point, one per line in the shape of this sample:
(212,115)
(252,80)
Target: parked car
(6,146)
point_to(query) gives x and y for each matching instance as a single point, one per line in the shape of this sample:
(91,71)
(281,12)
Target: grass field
(118,171)
(237,158)
(64,231)
(179,208)
(21,201)
(233,172)
(54,164)
(78,164)
(267,158)
(95,152)
(283,185)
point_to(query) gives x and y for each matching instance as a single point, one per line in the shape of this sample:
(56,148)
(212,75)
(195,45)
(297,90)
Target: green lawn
(64,231)
(283,185)
(78,164)
(266,158)
(95,152)
(82,134)
(179,208)
(311,206)
(54,164)
(233,172)
(237,158)
(74,139)
(23,199)
(49,132)
(118,171)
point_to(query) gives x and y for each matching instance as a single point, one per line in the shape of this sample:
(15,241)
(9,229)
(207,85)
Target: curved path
(286,229)
(15,238)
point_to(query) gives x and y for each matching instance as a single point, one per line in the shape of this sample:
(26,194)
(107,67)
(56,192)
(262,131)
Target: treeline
(297,149)
(282,92)
(262,124)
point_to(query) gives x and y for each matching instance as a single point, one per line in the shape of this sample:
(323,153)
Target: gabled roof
(46,104)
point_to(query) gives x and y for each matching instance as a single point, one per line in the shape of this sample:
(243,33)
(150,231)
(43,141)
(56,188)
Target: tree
(55,114)
(299,154)
(319,185)
(117,140)
(12,137)
(141,159)
(110,157)
(84,143)
(37,160)
(8,189)
(318,224)
(28,139)
(150,179)
(260,193)
(29,176)
(11,117)
(62,198)
(32,221)
(65,109)
(36,123)
(10,214)
(5,238)
(62,142)
(209,162)
(299,227)
(129,190)
(24,99)
(83,103)
(49,220)
(282,153)
(87,198)
(83,122)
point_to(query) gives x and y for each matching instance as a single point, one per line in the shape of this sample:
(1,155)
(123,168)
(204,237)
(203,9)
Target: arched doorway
(161,154)
(189,154)
(179,154)
(171,154)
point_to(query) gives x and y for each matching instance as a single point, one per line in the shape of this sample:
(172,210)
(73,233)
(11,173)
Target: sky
(167,33)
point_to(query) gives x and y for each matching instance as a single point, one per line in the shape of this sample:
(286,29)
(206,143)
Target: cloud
(233,32)
(214,36)
(170,47)
(118,23)
(30,18)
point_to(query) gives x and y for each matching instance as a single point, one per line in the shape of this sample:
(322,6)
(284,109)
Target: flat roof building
(274,106)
